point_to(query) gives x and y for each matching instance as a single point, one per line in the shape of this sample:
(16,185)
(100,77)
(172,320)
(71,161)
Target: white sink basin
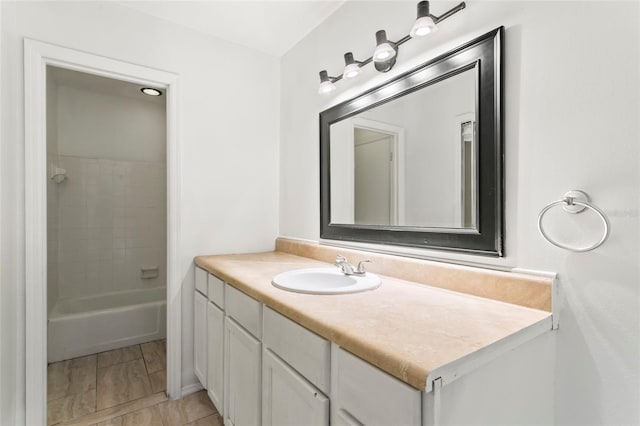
(324,281)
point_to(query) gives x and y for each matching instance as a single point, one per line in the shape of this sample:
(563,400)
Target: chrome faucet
(343,264)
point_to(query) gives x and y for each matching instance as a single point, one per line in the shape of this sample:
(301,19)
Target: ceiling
(269,26)
(104,85)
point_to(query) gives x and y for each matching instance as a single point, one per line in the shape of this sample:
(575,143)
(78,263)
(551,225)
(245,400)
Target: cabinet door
(200,337)
(363,394)
(201,280)
(215,351)
(242,376)
(288,399)
(301,349)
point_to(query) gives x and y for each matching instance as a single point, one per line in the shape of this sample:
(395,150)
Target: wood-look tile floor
(122,387)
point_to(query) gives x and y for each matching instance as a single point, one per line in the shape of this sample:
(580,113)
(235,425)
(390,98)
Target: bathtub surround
(110,216)
(112,224)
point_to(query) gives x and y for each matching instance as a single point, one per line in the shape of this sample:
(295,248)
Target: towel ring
(574,202)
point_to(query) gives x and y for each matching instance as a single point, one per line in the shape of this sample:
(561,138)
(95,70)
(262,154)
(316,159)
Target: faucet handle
(344,265)
(340,258)
(360,269)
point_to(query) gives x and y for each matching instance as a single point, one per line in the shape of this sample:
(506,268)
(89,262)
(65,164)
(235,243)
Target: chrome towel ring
(574,202)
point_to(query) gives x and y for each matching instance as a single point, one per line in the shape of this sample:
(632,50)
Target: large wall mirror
(418,160)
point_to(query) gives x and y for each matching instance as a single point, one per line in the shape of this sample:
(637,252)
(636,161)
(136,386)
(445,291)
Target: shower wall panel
(112,225)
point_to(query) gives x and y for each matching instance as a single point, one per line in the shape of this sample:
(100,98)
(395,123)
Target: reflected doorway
(374,158)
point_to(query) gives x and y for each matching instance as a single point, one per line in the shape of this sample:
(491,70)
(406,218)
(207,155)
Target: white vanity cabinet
(288,399)
(215,355)
(200,326)
(296,372)
(242,359)
(215,342)
(364,395)
(262,368)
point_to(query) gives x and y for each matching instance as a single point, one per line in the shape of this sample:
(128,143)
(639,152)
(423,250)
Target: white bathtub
(88,325)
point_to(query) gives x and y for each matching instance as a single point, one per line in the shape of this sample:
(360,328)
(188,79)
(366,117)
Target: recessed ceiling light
(151,91)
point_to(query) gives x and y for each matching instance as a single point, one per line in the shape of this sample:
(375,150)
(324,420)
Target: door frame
(459,169)
(397,165)
(37,55)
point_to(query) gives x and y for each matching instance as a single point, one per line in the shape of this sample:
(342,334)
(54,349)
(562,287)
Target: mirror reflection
(411,161)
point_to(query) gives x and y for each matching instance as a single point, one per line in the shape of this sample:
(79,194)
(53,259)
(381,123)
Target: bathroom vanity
(406,353)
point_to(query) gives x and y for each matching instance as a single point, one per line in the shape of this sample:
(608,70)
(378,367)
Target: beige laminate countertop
(408,330)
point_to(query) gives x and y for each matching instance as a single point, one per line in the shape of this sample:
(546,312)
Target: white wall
(571,109)
(116,127)
(229,133)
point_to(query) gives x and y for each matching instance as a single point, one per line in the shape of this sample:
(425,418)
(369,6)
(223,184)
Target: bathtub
(88,325)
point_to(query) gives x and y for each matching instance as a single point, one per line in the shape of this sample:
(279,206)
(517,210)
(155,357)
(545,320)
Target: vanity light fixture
(352,67)
(386,51)
(384,57)
(326,83)
(424,23)
(151,91)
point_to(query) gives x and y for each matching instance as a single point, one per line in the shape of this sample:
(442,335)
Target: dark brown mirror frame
(485,54)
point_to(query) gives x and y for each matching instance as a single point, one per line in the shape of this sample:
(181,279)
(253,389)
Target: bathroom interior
(262,243)
(106,235)
(106,214)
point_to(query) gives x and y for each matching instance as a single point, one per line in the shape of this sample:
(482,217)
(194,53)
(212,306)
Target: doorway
(374,180)
(378,173)
(106,242)
(39,56)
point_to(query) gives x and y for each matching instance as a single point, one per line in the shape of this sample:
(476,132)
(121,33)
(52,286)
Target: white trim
(37,55)
(2,337)
(555,291)
(468,363)
(350,184)
(192,388)
(458,167)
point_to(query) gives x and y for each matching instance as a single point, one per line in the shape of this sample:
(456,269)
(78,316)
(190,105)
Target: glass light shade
(351,71)
(423,26)
(326,87)
(383,52)
(384,49)
(326,83)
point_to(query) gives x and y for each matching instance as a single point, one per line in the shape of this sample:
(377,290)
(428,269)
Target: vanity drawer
(201,280)
(366,395)
(216,290)
(246,310)
(302,349)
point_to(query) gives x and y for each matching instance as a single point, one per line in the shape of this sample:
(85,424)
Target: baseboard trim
(192,388)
